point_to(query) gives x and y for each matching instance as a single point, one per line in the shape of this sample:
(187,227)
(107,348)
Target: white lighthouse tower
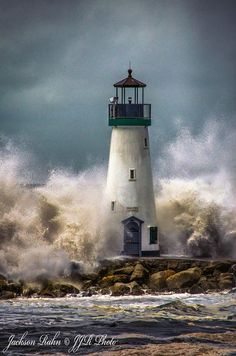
(129,180)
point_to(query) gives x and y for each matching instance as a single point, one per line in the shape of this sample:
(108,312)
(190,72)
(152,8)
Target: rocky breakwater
(139,276)
(130,276)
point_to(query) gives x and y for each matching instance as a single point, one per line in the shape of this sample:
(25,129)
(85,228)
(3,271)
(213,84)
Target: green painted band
(130,122)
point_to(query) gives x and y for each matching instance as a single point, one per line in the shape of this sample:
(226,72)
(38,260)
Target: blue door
(132,238)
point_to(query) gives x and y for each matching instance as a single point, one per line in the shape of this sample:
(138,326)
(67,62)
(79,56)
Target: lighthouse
(129,188)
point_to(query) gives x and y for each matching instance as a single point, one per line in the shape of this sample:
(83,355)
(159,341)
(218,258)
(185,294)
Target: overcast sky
(59,60)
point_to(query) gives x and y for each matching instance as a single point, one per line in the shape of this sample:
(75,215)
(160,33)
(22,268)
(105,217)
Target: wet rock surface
(184,278)
(140,273)
(133,276)
(157,280)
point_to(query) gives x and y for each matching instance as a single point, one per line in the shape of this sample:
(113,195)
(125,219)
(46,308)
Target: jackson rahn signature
(74,343)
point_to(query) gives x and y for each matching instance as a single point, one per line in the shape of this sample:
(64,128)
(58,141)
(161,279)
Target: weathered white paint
(127,151)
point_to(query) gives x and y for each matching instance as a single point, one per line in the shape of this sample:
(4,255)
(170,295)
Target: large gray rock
(120,289)
(31,289)
(15,287)
(3,284)
(204,283)
(140,273)
(107,281)
(184,278)
(216,268)
(126,288)
(157,280)
(233,269)
(225,281)
(124,270)
(196,289)
(10,286)
(135,288)
(58,290)
(7,295)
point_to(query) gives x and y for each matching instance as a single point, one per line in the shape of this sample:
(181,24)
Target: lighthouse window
(153,234)
(112,205)
(145,143)
(132,174)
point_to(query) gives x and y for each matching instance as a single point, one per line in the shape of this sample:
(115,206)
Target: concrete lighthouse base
(130,190)
(150,253)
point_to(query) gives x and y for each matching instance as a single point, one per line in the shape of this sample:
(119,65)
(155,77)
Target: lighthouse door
(132,236)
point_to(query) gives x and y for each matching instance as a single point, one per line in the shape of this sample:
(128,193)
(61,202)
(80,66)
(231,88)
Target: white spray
(43,229)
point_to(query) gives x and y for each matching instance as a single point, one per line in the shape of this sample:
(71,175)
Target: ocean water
(81,325)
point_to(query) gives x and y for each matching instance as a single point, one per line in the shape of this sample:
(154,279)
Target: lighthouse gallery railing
(120,111)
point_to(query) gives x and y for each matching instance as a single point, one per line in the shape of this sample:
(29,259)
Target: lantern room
(127,108)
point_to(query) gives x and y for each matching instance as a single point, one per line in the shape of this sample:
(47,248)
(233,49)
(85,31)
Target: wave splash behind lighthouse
(129,180)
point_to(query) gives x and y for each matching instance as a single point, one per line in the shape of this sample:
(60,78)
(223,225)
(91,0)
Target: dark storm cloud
(59,60)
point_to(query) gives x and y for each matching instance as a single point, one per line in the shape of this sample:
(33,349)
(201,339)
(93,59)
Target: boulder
(15,287)
(120,289)
(10,286)
(183,265)
(156,265)
(106,267)
(102,271)
(208,283)
(140,273)
(105,291)
(93,276)
(7,295)
(233,269)
(3,284)
(203,283)
(173,265)
(216,268)
(110,280)
(92,291)
(58,290)
(87,284)
(157,280)
(226,284)
(184,278)
(225,281)
(31,289)
(211,283)
(126,288)
(226,275)
(67,288)
(135,288)
(196,289)
(124,270)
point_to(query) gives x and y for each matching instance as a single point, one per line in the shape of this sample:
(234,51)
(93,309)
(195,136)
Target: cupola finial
(130,70)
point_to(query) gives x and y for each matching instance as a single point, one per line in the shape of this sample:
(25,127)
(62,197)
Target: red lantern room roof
(129,82)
